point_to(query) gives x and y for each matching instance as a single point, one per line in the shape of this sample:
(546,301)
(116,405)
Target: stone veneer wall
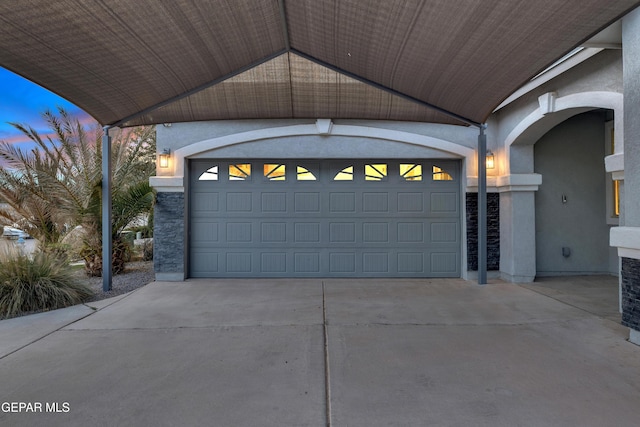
(168,233)
(493,231)
(631,293)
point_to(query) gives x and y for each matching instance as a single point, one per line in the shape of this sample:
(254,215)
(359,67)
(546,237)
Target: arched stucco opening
(571,216)
(518,208)
(520,140)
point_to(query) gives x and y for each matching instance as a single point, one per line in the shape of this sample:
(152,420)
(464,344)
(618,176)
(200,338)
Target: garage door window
(275,172)
(240,172)
(439,174)
(375,172)
(345,174)
(304,174)
(411,171)
(210,174)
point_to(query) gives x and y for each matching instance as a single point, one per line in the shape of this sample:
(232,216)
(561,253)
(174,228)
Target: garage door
(338,218)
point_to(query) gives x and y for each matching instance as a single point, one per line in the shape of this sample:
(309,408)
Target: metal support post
(107,243)
(482,207)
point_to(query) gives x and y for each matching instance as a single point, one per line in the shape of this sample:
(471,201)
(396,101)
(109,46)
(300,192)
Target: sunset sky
(24,102)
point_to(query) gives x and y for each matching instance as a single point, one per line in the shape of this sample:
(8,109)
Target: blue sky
(24,102)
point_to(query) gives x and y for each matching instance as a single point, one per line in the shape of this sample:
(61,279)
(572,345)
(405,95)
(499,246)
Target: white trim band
(627,240)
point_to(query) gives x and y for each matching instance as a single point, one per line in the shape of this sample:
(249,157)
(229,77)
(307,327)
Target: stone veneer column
(169,225)
(627,237)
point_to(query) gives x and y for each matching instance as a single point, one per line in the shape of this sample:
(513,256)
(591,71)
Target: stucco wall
(180,135)
(570,160)
(603,72)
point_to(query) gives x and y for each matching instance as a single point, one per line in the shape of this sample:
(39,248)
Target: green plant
(147,250)
(38,282)
(58,184)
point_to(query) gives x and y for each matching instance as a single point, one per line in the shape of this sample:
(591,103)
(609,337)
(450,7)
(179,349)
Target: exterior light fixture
(164,158)
(490,160)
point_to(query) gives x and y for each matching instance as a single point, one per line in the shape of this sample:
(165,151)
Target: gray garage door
(338,218)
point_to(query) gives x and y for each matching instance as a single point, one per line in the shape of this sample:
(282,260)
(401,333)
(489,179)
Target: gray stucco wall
(183,134)
(570,159)
(602,72)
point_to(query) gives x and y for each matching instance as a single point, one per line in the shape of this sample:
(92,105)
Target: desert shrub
(63,252)
(38,282)
(147,250)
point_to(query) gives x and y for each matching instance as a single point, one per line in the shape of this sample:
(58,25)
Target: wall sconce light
(164,158)
(490,160)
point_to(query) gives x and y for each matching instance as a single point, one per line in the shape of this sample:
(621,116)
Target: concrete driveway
(327,352)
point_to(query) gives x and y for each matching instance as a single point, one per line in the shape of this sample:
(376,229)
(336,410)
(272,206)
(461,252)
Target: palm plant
(58,183)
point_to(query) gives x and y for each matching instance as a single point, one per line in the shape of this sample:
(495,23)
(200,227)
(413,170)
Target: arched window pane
(304,174)
(240,172)
(411,171)
(210,174)
(375,172)
(440,174)
(345,174)
(275,171)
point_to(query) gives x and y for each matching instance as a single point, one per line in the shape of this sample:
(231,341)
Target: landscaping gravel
(136,275)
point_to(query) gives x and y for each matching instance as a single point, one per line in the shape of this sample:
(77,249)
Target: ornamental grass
(38,282)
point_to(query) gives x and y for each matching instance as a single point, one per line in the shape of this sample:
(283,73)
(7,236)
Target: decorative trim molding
(324,126)
(167,184)
(627,240)
(507,183)
(614,164)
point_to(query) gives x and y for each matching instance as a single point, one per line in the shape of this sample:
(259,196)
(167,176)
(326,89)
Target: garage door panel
(375,203)
(342,262)
(205,202)
(411,262)
(273,262)
(375,262)
(375,232)
(306,262)
(239,202)
(383,224)
(239,262)
(273,202)
(342,202)
(444,262)
(306,232)
(205,231)
(342,232)
(205,263)
(446,203)
(411,232)
(410,202)
(307,202)
(239,232)
(272,232)
(444,232)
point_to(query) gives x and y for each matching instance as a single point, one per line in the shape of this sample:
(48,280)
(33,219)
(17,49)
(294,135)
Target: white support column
(518,226)
(627,237)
